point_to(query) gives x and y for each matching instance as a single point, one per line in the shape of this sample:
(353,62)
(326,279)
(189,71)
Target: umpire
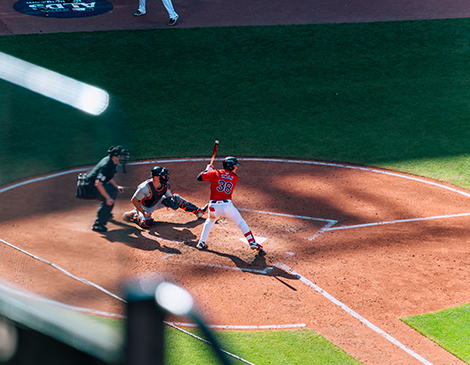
(107,189)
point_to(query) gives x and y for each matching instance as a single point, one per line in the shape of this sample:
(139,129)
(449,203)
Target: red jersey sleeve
(222,183)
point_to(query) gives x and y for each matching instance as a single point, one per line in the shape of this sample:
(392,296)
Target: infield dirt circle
(349,250)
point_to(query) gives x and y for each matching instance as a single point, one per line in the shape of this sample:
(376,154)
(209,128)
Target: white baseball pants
(224,208)
(166,3)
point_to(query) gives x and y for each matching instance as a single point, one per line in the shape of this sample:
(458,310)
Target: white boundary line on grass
(205,341)
(42,178)
(317,163)
(395,174)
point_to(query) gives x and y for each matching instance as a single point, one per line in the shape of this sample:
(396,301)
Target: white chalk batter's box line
(329,226)
(229,327)
(395,222)
(329,222)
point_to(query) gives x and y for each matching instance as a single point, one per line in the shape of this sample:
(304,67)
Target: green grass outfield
(280,347)
(392,94)
(287,347)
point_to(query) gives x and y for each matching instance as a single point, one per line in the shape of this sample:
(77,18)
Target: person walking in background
(168,6)
(222,185)
(102,176)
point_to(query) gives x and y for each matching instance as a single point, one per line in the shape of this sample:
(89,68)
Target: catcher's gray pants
(174,202)
(104,210)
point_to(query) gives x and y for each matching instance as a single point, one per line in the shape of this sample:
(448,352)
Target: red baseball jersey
(222,183)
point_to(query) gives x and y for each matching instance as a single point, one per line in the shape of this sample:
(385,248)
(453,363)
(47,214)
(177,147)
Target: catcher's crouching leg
(188,206)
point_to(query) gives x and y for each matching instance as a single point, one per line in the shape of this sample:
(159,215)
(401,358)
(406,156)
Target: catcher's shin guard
(184,204)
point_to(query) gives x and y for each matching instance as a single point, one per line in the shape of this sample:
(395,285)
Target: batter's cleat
(138,13)
(99,228)
(256,246)
(173,21)
(201,246)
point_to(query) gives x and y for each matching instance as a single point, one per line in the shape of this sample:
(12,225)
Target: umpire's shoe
(97,227)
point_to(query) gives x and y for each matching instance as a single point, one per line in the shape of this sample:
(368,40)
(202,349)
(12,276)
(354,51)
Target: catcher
(154,194)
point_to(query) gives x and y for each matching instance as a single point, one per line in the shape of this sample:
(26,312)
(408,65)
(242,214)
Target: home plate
(258,239)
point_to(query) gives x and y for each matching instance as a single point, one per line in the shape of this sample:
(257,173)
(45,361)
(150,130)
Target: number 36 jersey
(222,183)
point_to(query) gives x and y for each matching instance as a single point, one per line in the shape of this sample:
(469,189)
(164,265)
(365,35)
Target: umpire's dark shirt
(103,171)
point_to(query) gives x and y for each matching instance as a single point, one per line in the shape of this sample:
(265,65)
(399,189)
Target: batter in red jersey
(222,185)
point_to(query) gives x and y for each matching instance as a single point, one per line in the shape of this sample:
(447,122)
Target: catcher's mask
(162,172)
(122,153)
(229,163)
(124,156)
(119,151)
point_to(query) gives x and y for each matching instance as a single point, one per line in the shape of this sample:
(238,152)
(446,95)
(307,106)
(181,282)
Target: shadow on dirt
(257,266)
(148,240)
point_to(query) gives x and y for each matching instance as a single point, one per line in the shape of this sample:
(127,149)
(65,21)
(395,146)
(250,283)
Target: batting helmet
(162,172)
(229,163)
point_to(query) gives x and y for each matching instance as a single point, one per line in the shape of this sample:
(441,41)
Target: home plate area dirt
(349,250)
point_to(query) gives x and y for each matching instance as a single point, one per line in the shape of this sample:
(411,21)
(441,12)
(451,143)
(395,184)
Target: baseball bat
(214,151)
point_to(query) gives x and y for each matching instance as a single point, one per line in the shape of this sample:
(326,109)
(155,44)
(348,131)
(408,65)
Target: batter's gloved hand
(209,167)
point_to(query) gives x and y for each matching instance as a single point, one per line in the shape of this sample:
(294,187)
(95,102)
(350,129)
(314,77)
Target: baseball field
(339,127)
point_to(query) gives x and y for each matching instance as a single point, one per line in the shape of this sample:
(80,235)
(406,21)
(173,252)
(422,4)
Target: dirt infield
(349,251)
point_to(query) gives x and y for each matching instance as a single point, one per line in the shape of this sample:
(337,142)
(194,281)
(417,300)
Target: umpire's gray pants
(104,210)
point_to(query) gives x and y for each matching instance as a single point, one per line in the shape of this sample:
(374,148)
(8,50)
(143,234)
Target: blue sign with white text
(63,9)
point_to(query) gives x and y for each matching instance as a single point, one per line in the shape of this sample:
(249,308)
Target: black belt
(215,201)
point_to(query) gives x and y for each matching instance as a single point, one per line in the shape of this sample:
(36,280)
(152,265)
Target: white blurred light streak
(69,91)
